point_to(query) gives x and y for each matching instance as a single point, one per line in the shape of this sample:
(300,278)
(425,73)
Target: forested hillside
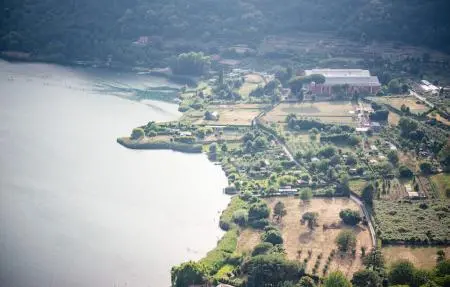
(89,29)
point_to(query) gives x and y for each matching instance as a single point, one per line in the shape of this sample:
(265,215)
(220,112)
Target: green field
(418,222)
(442,183)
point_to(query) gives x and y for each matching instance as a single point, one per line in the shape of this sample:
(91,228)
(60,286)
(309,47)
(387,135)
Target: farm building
(376,126)
(355,81)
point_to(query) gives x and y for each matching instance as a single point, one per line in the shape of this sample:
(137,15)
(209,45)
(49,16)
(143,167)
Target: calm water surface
(76,208)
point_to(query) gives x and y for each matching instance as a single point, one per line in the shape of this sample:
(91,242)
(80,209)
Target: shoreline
(157,72)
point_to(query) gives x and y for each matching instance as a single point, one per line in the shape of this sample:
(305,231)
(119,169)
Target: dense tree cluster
(92,30)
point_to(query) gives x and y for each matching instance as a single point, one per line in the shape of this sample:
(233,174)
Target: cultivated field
(417,222)
(337,112)
(251,82)
(442,183)
(239,114)
(393,119)
(414,104)
(298,240)
(421,257)
(440,119)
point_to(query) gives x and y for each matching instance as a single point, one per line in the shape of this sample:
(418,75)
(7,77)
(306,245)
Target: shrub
(258,210)
(271,270)
(262,248)
(137,133)
(401,272)
(272,236)
(240,217)
(426,167)
(346,240)
(405,172)
(188,273)
(350,217)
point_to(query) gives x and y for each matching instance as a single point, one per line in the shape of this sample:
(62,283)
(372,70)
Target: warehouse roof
(353,77)
(339,72)
(353,81)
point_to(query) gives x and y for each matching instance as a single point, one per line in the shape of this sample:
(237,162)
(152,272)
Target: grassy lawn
(226,246)
(239,114)
(252,81)
(442,183)
(357,185)
(397,102)
(330,112)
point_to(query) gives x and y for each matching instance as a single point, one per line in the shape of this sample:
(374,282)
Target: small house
(185,134)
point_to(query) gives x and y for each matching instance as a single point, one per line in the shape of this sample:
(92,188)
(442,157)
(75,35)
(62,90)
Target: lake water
(76,208)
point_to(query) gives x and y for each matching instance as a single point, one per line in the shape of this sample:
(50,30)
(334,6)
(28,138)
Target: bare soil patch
(248,239)
(240,114)
(413,103)
(330,112)
(422,257)
(298,238)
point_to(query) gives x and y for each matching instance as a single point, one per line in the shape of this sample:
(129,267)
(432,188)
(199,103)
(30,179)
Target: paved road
(369,221)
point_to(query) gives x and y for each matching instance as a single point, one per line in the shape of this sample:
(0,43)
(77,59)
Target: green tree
(426,167)
(311,219)
(296,85)
(273,236)
(137,133)
(279,210)
(367,193)
(240,217)
(407,125)
(272,87)
(394,86)
(346,240)
(271,270)
(440,256)
(420,278)
(317,78)
(189,273)
(350,217)
(327,151)
(366,278)
(190,64)
(307,281)
(401,272)
(213,148)
(374,260)
(306,194)
(405,172)
(393,157)
(262,248)
(258,210)
(336,279)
